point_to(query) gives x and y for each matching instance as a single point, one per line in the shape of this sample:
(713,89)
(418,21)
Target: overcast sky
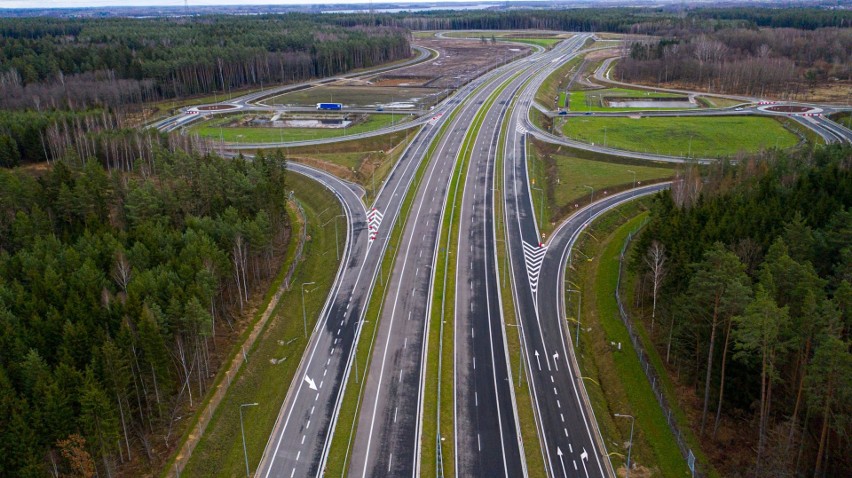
(161,3)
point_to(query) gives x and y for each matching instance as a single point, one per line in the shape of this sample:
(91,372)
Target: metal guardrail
(651,373)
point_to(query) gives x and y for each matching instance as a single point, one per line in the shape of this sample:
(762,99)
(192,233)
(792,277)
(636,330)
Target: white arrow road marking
(311,384)
(533,257)
(561,461)
(584,457)
(537,360)
(556,360)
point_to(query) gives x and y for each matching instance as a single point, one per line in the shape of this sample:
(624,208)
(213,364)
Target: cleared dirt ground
(459,61)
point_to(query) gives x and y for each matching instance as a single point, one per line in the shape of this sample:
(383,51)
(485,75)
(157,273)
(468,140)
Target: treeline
(747,290)
(618,20)
(744,61)
(28,136)
(113,289)
(79,63)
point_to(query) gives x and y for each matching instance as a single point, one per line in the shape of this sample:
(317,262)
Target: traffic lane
(454,139)
(488,442)
(374,455)
(302,445)
(354,248)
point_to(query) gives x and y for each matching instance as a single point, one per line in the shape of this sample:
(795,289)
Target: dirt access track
(458,62)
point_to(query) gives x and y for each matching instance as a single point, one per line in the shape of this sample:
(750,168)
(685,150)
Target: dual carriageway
(487,440)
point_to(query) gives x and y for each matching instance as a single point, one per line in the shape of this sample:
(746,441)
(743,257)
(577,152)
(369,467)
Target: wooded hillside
(113,288)
(747,291)
(75,63)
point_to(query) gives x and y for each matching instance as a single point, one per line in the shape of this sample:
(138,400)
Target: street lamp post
(304,314)
(592,199)
(243,432)
(630,443)
(579,310)
(634,177)
(336,241)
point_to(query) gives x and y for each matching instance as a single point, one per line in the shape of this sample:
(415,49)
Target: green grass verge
(615,380)
(216,129)
(339,452)
(557,81)
(542,42)
(592,100)
(709,137)
(844,118)
(220,452)
(560,178)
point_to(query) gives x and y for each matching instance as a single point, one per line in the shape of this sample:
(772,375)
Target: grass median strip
(273,359)
(614,378)
(439,395)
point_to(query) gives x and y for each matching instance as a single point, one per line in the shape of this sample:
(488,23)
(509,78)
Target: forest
(81,63)
(747,291)
(755,62)
(652,21)
(114,287)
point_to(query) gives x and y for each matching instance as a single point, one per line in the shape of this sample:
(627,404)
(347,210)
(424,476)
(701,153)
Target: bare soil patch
(459,61)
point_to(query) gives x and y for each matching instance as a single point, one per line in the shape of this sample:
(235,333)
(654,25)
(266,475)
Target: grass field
(566,176)
(616,382)
(592,100)
(220,452)
(215,129)
(542,42)
(359,96)
(685,136)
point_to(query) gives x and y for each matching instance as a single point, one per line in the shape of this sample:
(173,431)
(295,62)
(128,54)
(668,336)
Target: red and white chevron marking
(374,219)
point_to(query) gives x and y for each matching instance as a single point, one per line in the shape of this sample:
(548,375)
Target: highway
(300,439)
(388,431)
(571,443)
(487,435)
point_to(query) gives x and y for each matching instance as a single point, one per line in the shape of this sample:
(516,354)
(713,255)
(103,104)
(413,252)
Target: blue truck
(329,106)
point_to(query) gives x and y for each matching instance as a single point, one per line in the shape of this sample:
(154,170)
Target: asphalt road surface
(299,442)
(571,443)
(388,432)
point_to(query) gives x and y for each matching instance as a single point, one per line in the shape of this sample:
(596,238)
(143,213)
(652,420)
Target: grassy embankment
(703,137)
(217,129)
(559,178)
(615,380)
(340,450)
(365,161)
(556,82)
(220,452)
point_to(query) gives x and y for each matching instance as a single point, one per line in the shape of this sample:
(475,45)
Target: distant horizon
(61,4)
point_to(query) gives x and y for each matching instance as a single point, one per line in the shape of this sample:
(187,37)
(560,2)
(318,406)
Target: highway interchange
(487,440)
